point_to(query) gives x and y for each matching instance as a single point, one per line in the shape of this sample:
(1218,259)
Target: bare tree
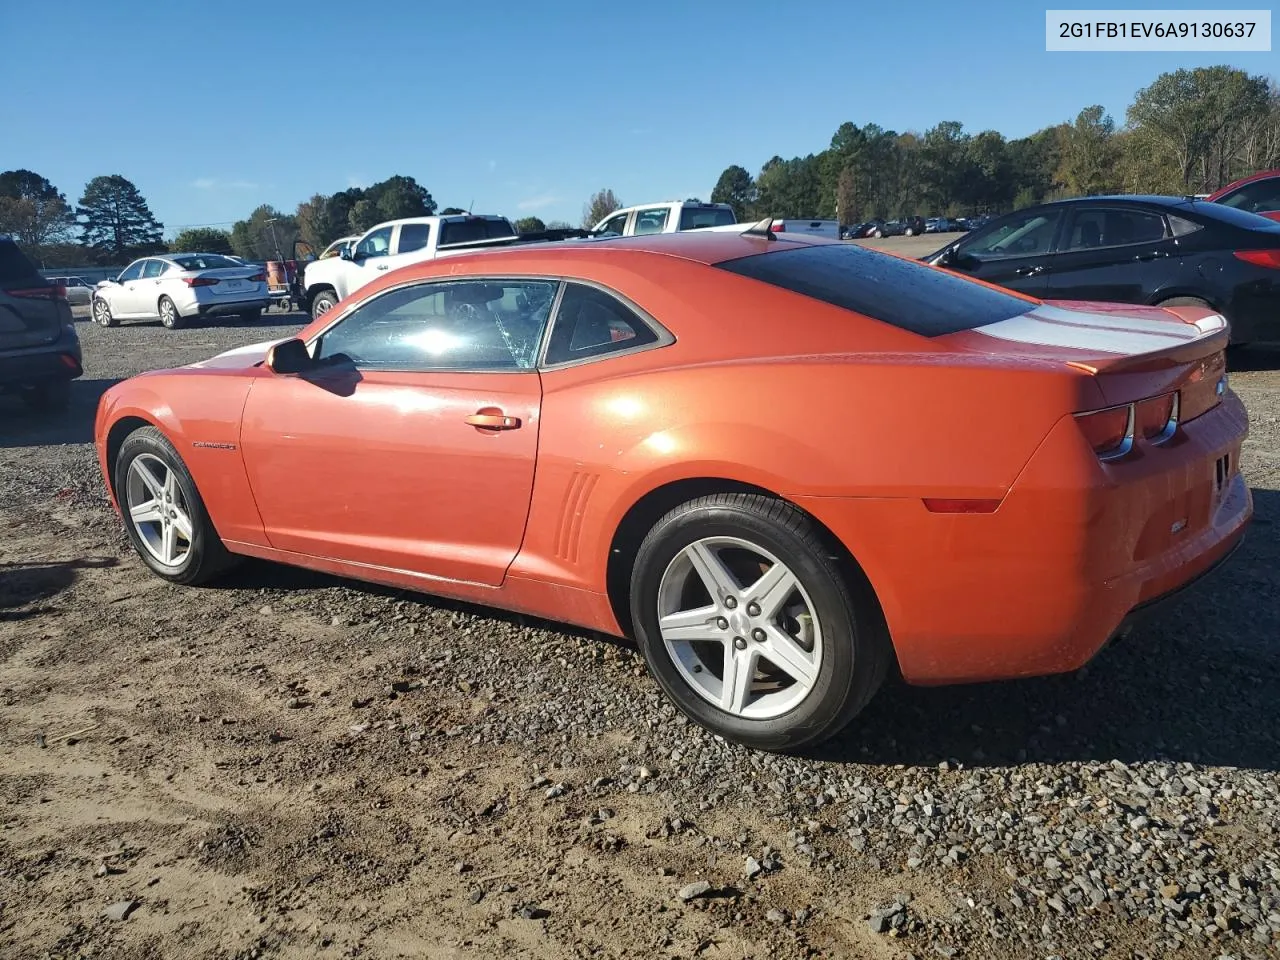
(601,204)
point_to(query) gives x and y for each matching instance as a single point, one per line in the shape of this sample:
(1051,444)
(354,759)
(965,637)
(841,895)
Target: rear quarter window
(473,231)
(902,293)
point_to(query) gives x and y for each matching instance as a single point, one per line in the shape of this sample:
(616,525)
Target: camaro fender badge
(1178,526)
(213,446)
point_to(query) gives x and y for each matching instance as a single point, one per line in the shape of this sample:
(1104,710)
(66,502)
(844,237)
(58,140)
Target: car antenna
(761,228)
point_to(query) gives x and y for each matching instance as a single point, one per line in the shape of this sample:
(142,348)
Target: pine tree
(115,218)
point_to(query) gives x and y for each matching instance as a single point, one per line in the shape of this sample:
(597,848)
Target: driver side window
(457,325)
(376,244)
(132,272)
(1020,235)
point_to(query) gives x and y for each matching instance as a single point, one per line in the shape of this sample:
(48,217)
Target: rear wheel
(749,624)
(1236,345)
(169,315)
(163,513)
(52,395)
(102,313)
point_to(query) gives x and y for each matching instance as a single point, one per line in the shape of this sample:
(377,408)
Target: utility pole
(274,242)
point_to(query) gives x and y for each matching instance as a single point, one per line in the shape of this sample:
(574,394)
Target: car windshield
(903,293)
(474,230)
(205,261)
(695,218)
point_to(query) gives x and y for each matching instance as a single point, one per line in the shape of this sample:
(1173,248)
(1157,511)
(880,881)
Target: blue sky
(513,107)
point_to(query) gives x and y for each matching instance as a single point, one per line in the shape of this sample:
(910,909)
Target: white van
(669,216)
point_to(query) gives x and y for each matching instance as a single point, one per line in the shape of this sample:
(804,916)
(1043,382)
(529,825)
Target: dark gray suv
(39,349)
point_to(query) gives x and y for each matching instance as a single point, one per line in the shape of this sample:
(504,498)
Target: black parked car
(1134,249)
(39,348)
(912,226)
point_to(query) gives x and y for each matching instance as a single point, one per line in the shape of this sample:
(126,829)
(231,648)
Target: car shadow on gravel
(23,427)
(25,584)
(1199,681)
(254,574)
(1254,358)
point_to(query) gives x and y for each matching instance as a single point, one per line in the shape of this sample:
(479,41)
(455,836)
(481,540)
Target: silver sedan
(178,287)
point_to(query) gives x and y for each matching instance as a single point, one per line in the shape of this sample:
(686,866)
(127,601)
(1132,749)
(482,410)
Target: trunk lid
(1133,352)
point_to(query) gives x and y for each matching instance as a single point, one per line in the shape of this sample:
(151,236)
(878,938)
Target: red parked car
(1258,194)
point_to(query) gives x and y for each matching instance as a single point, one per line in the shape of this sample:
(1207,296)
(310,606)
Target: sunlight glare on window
(436,341)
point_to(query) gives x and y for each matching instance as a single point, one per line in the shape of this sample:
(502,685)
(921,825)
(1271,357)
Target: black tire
(251,316)
(101,312)
(1184,302)
(169,315)
(323,302)
(207,558)
(856,650)
(51,396)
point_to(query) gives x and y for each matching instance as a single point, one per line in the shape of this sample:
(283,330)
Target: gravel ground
(290,765)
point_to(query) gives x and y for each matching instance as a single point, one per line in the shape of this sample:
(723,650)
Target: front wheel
(751,626)
(102,313)
(163,512)
(324,301)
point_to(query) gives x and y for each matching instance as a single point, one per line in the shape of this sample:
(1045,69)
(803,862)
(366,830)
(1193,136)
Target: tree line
(1190,131)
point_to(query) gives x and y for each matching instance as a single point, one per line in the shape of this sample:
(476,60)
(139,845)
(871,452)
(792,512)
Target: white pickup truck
(669,216)
(393,244)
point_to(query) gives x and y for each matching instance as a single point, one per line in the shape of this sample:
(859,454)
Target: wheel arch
(116,436)
(640,517)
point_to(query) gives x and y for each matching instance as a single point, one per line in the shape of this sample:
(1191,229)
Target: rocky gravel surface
(291,765)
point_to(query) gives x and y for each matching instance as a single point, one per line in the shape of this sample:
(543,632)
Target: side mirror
(289,357)
(346,253)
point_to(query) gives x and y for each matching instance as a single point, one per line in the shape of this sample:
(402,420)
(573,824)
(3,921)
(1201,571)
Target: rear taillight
(258,278)
(777,227)
(40,293)
(1157,418)
(199,281)
(1109,432)
(1261,258)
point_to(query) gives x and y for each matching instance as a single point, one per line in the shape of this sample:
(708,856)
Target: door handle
(493,421)
(1152,255)
(1029,271)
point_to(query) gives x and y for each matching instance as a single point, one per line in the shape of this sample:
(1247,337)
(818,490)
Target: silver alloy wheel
(321,306)
(168,312)
(157,509)
(740,627)
(101,312)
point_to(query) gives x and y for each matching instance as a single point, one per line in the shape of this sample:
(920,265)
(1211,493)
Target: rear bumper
(225,309)
(1076,550)
(35,365)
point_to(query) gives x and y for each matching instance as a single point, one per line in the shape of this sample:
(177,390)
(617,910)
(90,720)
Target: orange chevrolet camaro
(784,465)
